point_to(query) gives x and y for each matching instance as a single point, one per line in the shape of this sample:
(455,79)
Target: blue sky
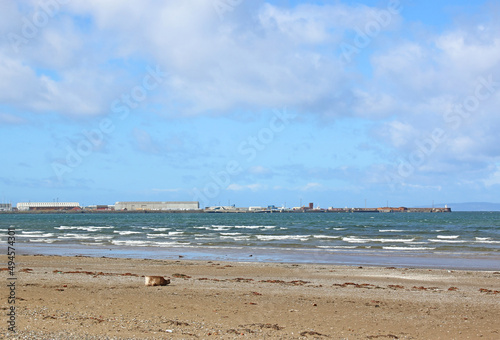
(250,102)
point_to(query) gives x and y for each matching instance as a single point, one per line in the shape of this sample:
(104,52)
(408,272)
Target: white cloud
(260,170)
(264,57)
(277,59)
(399,134)
(493,179)
(313,186)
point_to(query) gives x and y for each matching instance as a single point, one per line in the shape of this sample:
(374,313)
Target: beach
(77,297)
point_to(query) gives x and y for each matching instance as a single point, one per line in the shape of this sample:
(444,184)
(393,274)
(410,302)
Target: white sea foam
(337,247)
(354,239)
(326,236)
(103,237)
(36,235)
(487,241)
(283,237)
(483,238)
(205,228)
(157,229)
(447,241)
(236,238)
(255,226)
(204,238)
(451,237)
(44,240)
(408,248)
(161,235)
(75,236)
(85,228)
(339,228)
(230,234)
(388,240)
(390,230)
(130,243)
(221,227)
(126,232)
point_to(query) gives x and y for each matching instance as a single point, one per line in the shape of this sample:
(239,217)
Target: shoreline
(379,258)
(239,211)
(100,298)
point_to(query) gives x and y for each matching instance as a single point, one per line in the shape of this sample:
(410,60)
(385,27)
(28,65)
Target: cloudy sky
(250,102)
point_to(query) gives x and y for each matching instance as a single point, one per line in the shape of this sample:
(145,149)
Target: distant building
(102,207)
(256,208)
(157,205)
(47,206)
(5,207)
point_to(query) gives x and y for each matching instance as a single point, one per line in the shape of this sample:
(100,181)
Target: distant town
(192,207)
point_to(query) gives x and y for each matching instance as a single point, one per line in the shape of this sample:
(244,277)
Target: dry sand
(98,298)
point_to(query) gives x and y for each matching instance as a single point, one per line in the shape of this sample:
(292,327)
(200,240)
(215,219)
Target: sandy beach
(98,298)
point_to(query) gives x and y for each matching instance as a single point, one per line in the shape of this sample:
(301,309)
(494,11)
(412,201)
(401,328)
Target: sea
(455,240)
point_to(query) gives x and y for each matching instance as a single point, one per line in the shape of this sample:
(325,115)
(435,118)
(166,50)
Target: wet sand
(87,297)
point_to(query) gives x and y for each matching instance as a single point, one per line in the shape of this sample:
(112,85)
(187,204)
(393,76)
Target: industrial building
(100,207)
(23,206)
(5,207)
(157,206)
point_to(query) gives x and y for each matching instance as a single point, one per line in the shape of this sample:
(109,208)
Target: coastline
(379,258)
(97,298)
(232,211)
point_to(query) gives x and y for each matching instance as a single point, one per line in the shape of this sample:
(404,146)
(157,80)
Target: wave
(483,238)
(451,237)
(327,236)
(43,240)
(447,241)
(408,248)
(283,237)
(130,243)
(36,235)
(390,230)
(126,232)
(236,238)
(157,235)
(76,237)
(156,229)
(488,242)
(85,228)
(216,227)
(355,239)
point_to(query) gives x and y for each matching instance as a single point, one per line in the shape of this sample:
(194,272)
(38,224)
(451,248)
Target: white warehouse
(157,205)
(5,207)
(24,206)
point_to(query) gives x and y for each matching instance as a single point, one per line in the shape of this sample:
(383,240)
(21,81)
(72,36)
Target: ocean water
(294,237)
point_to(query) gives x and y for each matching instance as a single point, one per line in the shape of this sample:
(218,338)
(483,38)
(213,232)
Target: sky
(251,103)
